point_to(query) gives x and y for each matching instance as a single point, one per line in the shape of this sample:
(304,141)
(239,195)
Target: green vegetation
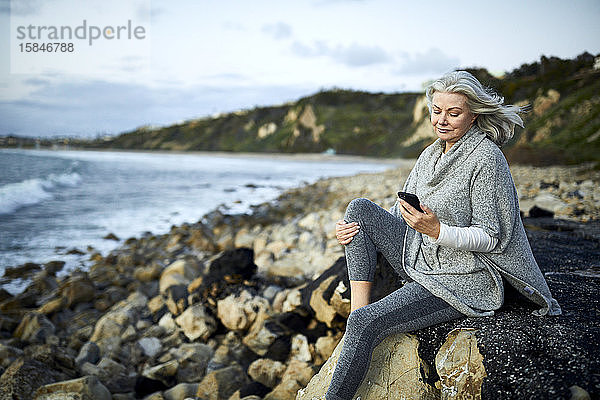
(564,126)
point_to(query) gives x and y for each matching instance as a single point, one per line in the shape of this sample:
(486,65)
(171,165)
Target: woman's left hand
(426,223)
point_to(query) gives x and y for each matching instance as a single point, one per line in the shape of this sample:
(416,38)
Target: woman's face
(450,117)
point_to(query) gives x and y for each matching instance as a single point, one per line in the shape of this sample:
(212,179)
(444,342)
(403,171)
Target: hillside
(563,127)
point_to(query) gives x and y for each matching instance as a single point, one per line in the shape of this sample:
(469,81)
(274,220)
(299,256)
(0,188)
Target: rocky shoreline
(252,306)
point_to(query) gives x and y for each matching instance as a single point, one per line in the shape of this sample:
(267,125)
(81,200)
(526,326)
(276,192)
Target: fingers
(345,231)
(426,222)
(410,209)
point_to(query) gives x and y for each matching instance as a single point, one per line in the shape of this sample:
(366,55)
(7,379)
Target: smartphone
(411,199)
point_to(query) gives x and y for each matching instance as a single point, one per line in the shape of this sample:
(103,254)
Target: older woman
(455,254)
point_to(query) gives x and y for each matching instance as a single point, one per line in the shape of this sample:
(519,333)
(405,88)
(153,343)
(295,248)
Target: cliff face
(564,126)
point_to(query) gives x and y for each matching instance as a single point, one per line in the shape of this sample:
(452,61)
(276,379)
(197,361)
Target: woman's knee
(356,208)
(357,320)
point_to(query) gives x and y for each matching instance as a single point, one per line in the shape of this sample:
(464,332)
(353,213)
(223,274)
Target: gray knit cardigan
(472,186)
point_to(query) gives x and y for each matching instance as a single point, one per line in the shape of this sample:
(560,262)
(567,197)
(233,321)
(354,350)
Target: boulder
(147,273)
(460,366)
(286,390)
(168,323)
(52,306)
(85,388)
(328,296)
(151,346)
(300,350)
(34,328)
(181,391)
(231,351)
(324,346)
(180,272)
(262,335)
(89,352)
(8,354)
(176,298)
(237,262)
(119,317)
(115,376)
(222,383)
(54,357)
(196,323)
(24,376)
(164,373)
(395,371)
(299,371)
(239,312)
(193,359)
(77,289)
(266,371)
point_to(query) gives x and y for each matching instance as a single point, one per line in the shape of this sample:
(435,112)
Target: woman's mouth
(442,130)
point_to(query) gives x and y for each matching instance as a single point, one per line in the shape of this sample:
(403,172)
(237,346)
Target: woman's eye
(436,112)
(453,115)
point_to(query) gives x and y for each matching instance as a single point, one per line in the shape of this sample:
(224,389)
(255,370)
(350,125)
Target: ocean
(55,201)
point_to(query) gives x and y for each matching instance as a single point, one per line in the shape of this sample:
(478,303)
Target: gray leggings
(409,308)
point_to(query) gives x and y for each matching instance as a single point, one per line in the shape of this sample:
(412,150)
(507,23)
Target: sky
(199,58)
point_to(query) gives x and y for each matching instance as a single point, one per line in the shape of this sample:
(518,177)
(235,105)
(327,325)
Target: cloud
(20,7)
(280,30)
(353,55)
(433,61)
(99,107)
(327,2)
(36,82)
(233,26)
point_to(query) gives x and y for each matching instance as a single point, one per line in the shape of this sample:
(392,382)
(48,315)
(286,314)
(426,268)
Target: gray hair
(493,117)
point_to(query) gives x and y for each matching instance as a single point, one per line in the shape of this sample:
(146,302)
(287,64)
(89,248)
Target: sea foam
(33,191)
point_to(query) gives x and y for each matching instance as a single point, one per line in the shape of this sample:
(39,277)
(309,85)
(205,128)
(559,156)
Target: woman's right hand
(345,231)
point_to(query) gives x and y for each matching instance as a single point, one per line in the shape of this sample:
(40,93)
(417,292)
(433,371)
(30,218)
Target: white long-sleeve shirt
(470,238)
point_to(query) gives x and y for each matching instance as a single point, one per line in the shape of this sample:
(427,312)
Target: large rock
(231,351)
(266,371)
(151,346)
(196,323)
(239,312)
(460,366)
(222,383)
(115,376)
(89,352)
(54,357)
(86,388)
(77,289)
(396,371)
(164,373)
(119,317)
(8,354)
(181,391)
(180,272)
(193,359)
(24,376)
(237,263)
(328,296)
(35,328)
(263,334)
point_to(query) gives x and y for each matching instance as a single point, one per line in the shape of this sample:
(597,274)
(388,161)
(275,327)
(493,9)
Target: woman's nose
(442,119)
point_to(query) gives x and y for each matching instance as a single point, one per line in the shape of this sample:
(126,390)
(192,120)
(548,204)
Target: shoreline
(529,196)
(316,157)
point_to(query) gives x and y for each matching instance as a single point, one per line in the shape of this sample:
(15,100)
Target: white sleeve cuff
(469,238)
